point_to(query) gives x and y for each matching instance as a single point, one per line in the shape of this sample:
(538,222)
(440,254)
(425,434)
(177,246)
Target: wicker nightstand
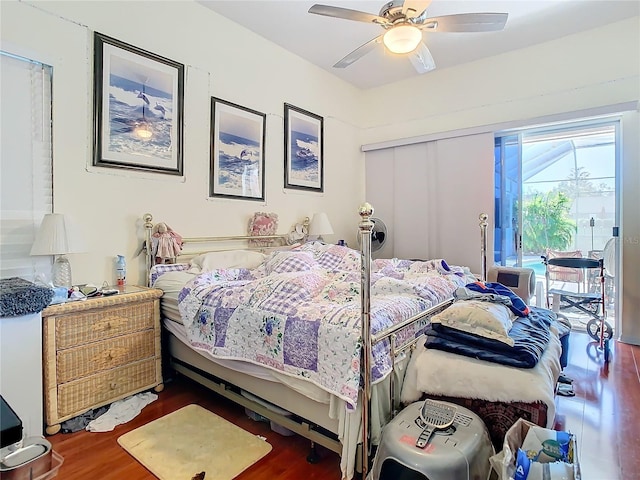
(98,351)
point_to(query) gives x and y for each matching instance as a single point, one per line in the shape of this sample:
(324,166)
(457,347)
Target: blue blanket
(530,334)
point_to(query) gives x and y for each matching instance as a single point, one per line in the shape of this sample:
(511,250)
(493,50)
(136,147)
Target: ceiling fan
(404,22)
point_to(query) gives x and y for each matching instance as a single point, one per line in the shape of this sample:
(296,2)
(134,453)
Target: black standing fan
(378,234)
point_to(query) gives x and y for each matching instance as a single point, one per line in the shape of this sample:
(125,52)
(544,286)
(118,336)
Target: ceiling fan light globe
(402,39)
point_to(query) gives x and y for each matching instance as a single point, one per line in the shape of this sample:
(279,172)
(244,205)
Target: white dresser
(21,369)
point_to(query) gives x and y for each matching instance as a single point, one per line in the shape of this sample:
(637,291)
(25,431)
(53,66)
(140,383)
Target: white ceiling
(324,40)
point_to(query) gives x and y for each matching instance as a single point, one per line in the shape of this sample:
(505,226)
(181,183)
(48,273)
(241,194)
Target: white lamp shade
(320,225)
(402,38)
(56,236)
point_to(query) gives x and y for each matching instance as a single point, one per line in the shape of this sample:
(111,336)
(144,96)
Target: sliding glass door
(556,189)
(508,182)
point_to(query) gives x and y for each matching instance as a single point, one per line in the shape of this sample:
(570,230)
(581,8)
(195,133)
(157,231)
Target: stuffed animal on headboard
(165,243)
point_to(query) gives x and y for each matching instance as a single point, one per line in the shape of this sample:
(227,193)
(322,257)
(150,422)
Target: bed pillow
(173,282)
(229,259)
(289,261)
(485,319)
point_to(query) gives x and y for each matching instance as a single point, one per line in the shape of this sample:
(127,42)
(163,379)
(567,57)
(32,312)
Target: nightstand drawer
(80,395)
(92,325)
(86,360)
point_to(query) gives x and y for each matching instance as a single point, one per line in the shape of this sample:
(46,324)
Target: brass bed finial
(366,210)
(147,218)
(366,225)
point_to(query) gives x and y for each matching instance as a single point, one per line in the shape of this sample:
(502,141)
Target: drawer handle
(108,326)
(109,357)
(113,385)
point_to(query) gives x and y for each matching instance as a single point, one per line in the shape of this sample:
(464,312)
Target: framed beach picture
(237,151)
(138,108)
(303,147)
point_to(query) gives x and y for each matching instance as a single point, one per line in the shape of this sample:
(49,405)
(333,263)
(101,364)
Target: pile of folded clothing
(489,322)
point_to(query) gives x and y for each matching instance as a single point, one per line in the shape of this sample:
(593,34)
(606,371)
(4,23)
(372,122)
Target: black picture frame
(304,149)
(138,108)
(237,151)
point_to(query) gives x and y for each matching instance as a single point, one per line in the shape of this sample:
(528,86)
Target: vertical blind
(430,195)
(26,177)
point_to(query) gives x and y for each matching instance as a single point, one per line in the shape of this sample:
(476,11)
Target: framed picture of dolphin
(138,108)
(303,147)
(237,151)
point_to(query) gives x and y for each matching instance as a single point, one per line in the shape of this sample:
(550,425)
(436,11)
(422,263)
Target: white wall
(579,72)
(586,70)
(21,369)
(249,71)
(630,228)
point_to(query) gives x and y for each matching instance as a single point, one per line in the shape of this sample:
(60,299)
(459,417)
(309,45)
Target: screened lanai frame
(538,156)
(594,226)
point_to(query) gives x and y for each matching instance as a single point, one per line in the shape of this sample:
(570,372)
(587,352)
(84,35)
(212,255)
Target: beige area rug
(192,440)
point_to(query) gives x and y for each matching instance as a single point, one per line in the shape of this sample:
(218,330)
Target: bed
(342,393)
(331,414)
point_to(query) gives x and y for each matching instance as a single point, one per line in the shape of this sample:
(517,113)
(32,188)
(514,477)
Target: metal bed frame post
(147,218)
(483,245)
(365,226)
(368,340)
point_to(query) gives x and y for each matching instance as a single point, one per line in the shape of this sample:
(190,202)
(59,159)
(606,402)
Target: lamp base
(61,272)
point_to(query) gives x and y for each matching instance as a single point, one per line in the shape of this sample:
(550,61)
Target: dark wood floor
(604,412)
(603,415)
(92,456)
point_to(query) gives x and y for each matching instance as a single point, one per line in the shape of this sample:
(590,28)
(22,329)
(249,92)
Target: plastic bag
(506,461)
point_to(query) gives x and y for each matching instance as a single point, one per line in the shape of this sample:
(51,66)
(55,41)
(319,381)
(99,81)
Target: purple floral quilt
(299,312)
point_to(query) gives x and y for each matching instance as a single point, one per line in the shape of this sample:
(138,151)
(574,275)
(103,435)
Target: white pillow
(173,281)
(485,319)
(229,259)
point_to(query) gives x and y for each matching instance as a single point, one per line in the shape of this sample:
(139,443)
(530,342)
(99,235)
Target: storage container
(274,426)
(35,460)
(460,452)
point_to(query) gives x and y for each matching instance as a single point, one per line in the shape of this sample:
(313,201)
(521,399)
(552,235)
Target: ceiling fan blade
(464,22)
(347,14)
(421,59)
(359,52)
(418,6)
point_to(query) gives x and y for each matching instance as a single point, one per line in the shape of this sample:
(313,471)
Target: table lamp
(56,237)
(319,226)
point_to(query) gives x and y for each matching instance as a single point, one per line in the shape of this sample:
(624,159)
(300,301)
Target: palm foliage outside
(546,223)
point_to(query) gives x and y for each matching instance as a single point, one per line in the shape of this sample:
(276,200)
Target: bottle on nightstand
(121,271)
